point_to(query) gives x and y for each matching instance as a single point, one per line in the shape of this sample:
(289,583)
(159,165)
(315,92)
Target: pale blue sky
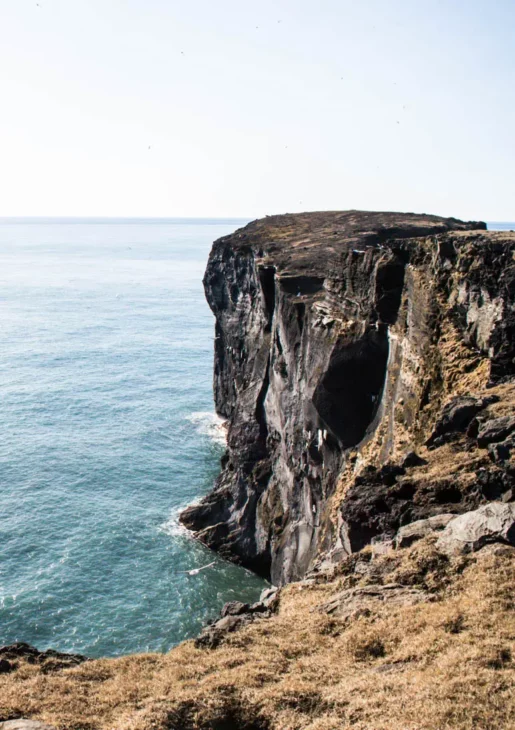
(254,108)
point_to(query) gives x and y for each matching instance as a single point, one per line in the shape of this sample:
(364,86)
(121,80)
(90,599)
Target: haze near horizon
(235,110)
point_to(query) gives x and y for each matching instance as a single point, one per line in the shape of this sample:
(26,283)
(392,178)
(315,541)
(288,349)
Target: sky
(237,108)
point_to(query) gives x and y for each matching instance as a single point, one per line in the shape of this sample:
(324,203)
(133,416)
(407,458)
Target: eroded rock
(412,459)
(409,534)
(6,667)
(495,430)
(471,531)
(501,452)
(234,608)
(353,602)
(211,636)
(235,614)
(456,417)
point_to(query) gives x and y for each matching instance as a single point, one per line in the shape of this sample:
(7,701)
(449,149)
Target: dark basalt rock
(234,616)
(501,452)
(49,660)
(6,667)
(234,608)
(495,430)
(496,482)
(456,417)
(327,338)
(412,459)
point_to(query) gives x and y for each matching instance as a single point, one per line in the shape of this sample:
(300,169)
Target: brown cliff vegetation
(445,662)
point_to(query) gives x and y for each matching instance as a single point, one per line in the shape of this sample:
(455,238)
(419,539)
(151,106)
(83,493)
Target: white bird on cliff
(196,571)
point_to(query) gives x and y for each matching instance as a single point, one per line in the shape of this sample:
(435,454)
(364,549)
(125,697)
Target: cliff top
(316,240)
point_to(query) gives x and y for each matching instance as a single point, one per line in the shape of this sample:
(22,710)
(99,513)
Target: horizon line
(148,218)
(124,217)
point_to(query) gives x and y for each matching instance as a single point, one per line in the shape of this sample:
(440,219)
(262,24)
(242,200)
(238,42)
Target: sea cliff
(340,338)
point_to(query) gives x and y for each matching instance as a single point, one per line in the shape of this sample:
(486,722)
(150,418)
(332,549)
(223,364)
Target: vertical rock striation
(339,338)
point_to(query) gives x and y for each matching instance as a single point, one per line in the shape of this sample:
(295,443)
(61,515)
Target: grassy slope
(444,664)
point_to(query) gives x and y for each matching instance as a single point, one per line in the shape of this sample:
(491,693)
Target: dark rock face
(495,430)
(339,336)
(456,417)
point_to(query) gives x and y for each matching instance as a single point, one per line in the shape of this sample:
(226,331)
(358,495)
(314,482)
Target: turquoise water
(106,431)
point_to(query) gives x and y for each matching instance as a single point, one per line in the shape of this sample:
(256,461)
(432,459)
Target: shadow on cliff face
(349,393)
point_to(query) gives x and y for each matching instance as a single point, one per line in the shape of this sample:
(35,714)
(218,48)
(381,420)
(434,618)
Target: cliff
(365,365)
(340,340)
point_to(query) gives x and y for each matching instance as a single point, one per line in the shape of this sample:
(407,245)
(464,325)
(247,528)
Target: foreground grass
(443,664)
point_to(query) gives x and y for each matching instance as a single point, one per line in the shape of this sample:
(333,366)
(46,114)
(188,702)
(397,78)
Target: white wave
(172,526)
(211,425)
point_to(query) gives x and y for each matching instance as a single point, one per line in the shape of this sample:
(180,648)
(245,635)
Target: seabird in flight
(196,571)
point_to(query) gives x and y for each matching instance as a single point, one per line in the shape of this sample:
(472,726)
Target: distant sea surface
(501,226)
(107,430)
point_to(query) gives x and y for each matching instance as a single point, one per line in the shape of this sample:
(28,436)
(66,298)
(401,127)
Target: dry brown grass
(446,664)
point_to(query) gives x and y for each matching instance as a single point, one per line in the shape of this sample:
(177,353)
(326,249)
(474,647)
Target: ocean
(107,430)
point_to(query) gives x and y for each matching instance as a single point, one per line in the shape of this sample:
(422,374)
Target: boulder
(412,459)
(5,666)
(234,608)
(211,636)
(495,430)
(409,534)
(269,595)
(469,532)
(501,452)
(259,607)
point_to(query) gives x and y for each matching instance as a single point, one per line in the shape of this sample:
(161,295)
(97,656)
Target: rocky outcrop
(358,358)
(49,660)
(471,531)
(235,615)
(409,534)
(353,603)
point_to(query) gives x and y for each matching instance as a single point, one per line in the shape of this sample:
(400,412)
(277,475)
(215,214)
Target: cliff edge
(341,338)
